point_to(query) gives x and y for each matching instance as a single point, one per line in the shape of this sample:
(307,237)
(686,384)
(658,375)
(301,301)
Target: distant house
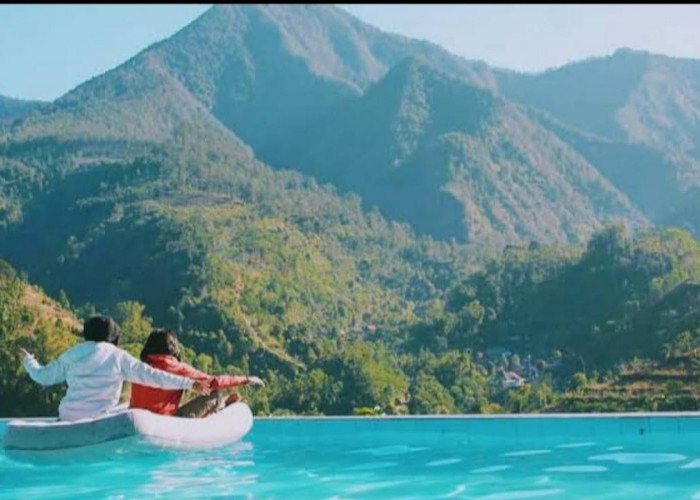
(512,380)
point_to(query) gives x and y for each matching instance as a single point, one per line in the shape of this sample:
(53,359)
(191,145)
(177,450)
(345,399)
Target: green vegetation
(259,271)
(430,272)
(608,327)
(29,320)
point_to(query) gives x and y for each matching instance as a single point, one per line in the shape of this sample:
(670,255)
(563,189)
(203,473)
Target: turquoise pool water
(484,458)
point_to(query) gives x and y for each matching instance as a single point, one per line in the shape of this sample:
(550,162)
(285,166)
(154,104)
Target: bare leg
(233,398)
(203,406)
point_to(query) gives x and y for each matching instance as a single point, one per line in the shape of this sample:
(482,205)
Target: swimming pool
(615,456)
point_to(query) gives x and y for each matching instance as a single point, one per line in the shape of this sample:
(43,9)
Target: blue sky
(46,50)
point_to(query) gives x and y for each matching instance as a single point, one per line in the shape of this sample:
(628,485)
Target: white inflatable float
(122,432)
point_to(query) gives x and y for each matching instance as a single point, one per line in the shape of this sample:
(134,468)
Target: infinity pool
(485,458)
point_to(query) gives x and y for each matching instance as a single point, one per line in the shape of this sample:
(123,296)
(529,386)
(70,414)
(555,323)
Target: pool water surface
(474,458)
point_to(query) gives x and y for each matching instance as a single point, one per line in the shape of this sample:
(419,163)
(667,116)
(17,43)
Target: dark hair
(161,341)
(101,329)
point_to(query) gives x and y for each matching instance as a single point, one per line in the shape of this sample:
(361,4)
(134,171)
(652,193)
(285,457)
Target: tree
(369,377)
(428,396)
(63,299)
(134,325)
(578,381)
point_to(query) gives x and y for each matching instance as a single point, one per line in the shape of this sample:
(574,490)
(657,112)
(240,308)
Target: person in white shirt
(96,369)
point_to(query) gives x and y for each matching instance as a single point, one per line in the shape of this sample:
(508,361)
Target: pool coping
(463,416)
(498,416)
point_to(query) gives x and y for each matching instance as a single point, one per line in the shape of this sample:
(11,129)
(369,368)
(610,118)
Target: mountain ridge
(267,77)
(415,113)
(13,109)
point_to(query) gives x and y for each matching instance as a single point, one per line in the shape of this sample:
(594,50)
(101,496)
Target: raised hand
(256,381)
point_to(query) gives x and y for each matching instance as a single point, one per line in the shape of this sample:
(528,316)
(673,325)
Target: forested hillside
(246,263)
(609,326)
(32,321)
(641,114)
(364,219)
(453,160)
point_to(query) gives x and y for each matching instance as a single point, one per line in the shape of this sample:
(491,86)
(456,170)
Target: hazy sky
(46,50)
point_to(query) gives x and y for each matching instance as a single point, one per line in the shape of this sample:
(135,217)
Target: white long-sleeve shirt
(95,373)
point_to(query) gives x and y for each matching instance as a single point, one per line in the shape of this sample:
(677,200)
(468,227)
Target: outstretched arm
(134,370)
(224,381)
(53,373)
(217,381)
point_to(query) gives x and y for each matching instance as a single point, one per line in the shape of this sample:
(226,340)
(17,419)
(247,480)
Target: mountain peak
(629,50)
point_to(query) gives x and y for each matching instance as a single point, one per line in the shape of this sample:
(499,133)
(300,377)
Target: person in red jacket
(162,351)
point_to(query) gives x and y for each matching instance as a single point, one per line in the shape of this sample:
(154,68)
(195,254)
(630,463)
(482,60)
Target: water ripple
(523,494)
(363,488)
(390,450)
(459,489)
(640,458)
(447,461)
(493,468)
(526,453)
(371,466)
(577,468)
(576,445)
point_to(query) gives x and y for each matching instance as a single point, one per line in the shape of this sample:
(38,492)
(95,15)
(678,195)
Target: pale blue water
(648,457)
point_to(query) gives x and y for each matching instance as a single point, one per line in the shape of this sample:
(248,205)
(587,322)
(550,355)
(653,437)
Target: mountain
(631,95)
(295,83)
(456,161)
(136,164)
(639,111)
(256,68)
(649,177)
(12,109)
